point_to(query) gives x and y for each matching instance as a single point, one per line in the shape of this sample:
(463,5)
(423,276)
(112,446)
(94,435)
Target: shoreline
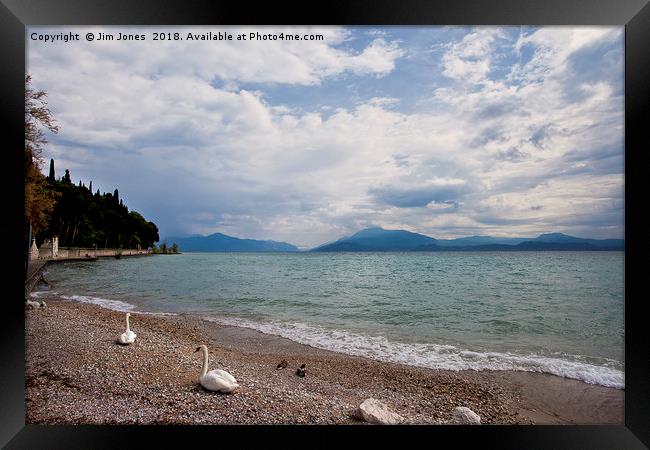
(75,373)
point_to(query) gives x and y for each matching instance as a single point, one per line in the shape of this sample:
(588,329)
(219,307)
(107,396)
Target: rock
(374,411)
(30,304)
(465,416)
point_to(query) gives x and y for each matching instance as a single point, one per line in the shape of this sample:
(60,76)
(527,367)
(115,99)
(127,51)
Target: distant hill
(218,242)
(479,240)
(378,239)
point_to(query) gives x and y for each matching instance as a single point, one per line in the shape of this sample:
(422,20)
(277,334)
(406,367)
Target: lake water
(554,312)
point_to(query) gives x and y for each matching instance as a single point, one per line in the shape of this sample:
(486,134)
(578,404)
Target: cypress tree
(66,177)
(51,176)
(90,187)
(116,195)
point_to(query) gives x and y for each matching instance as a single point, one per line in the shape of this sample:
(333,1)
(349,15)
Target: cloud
(307,142)
(469,60)
(434,192)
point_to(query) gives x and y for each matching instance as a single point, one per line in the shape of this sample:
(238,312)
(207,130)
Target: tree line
(58,207)
(81,218)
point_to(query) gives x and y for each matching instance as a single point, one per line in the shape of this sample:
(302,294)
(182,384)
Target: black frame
(15,15)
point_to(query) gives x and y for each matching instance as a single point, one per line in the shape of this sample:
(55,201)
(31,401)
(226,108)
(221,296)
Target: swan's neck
(127,324)
(204,369)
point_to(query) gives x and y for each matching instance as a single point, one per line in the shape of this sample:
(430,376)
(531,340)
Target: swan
(215,380)
(128,337)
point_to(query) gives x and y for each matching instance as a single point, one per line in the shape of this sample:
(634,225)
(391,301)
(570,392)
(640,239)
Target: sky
(446,131)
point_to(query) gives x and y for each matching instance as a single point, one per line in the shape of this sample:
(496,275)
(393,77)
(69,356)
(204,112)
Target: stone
(30,304)
(374,411)
(465,416)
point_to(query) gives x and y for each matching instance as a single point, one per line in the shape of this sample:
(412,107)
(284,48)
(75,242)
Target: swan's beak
(197,349)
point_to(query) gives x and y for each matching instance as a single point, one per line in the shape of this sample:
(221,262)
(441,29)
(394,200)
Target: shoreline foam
(79,375)
(431,356)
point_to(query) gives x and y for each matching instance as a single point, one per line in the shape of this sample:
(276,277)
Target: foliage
(165,249)
(83,219)
(73,213)
(39,200)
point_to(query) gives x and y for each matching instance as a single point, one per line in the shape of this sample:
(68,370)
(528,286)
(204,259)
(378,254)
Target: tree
(66,178)
(39,200)
(81,219)
(51,177)
(174,247)
(163,247)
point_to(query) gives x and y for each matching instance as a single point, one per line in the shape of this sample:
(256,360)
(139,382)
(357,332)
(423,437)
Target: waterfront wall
(48,252)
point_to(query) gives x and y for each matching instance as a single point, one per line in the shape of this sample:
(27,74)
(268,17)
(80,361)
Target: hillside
(219,242)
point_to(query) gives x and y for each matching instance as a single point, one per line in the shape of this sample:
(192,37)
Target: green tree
(83,219)
(174,247)
(39,200)
(51,177)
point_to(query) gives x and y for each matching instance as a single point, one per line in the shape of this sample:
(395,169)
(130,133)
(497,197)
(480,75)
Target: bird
(215,380)
(301,371)
(282,364)
(128,337)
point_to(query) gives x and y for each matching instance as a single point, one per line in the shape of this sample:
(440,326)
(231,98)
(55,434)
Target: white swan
(128,337)
(215,380)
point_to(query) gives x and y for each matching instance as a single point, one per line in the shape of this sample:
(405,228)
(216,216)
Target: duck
(301,370)
(282,364)
(216,380)
(128,337)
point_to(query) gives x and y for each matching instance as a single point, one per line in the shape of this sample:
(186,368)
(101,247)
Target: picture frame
(633,14)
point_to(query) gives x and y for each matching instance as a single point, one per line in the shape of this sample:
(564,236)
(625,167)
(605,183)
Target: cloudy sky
(446,131)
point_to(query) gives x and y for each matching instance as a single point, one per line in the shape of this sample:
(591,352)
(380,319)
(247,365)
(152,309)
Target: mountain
(218,242)
(479,240)
(378,239)
(559,238)
(529,246)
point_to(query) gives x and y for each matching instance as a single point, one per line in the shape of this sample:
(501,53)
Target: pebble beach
(77,373)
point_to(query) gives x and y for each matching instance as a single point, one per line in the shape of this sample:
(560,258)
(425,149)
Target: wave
(432,356)
(37,294)
(115,305)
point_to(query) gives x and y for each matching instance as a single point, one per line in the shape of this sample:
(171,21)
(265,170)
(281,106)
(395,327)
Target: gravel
(77,373)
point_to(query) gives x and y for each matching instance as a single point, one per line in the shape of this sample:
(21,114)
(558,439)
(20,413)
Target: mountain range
(378,239)
(381,240)
(218,242)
